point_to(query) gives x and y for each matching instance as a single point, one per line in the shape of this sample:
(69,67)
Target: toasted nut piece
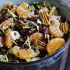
(6,23)
(23,13)
(37,39)
(36,36)
(53,11)
(24,54)
(44,17)
(55,31)
(8,40)
(40,44)
(54,44)
(64,27)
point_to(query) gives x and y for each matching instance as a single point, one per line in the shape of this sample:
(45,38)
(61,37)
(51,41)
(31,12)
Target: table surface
(67,65)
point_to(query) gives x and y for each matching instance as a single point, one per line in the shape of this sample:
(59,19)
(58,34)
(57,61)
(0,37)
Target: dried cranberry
(43,29)
(30,32)
(34,18)
(20,42)
(36,12)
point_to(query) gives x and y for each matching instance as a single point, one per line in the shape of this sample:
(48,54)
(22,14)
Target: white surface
(67,2)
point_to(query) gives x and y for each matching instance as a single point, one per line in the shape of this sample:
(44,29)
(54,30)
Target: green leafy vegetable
(3,58)
(36,5)
(11,13)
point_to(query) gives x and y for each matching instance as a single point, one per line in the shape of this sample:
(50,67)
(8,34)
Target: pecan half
(64,27)
(4,25)
(44,17)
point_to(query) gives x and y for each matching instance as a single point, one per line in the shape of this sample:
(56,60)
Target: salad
(30,32)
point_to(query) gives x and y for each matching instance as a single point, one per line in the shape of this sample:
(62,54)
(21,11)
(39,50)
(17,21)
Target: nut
(64,27)
(44,17)
(6,23)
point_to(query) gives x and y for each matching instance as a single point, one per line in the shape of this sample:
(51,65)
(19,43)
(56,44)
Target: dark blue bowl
(46,61)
